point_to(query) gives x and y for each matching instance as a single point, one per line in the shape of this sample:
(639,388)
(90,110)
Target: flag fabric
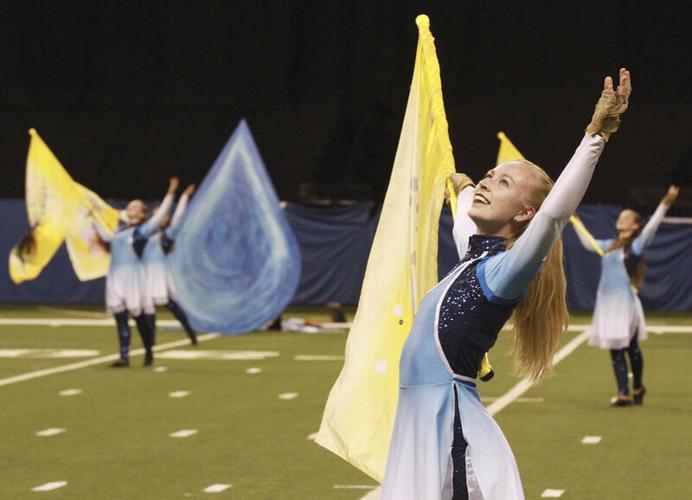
(359,414)
(236,264)
(509,152)
(59,209)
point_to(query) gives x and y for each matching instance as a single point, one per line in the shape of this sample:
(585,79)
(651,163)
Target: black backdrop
(129,92)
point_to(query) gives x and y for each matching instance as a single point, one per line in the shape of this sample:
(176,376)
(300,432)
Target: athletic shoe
(149,359)
(121,363)
(638,398)
(621,402)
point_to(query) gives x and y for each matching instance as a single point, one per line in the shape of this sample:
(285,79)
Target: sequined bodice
(468,322)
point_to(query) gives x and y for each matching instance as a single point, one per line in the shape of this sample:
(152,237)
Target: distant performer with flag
(618,318)
(445,444)
(125,282)
(158,282)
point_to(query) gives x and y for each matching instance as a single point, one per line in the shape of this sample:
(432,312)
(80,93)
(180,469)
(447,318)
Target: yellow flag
(359,415)
(507,151)
(59,210)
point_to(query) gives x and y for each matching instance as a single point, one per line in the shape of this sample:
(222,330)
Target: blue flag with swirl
(236,262)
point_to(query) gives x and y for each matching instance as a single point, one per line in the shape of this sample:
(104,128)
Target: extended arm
(177,219)
(507,275)
(647,235)
(154,223)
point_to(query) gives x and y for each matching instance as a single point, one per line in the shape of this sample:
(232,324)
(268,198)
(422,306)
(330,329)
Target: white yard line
(73,322)
(97,361)
(525,384)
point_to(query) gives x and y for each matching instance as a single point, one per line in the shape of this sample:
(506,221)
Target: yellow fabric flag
(359,415)
(59,210)
(509,152)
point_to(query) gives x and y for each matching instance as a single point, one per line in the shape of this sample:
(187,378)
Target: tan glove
(671,195)
(606,117)
(460,181)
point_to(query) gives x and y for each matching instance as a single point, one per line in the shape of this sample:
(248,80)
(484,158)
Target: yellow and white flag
(59,210)
(509,152)
(359,415)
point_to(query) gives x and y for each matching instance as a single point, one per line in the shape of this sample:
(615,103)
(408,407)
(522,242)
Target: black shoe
(638,398)
(621,402)
(193,340)
(121,363)
(149,359)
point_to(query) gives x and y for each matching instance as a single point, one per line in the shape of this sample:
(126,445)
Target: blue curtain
(335,242)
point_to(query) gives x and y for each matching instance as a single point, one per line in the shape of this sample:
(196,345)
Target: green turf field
(252,429)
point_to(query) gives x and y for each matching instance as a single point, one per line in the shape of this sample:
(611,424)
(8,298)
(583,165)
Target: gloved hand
(671,195)
(606,117)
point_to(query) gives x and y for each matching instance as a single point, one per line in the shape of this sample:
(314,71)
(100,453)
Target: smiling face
(627,225)
(504,201)
(136,212)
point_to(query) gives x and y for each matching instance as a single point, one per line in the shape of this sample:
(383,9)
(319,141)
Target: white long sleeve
(177,219)
(464,227)
(154,223)
(507,275)
(105,235)
(647,235)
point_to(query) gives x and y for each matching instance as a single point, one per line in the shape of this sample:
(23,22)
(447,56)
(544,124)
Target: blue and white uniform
(457,322)
(618,315)
(125,282)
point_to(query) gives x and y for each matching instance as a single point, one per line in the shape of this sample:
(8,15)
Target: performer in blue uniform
(159,285)
(618,318)
(444,443)
(125,282)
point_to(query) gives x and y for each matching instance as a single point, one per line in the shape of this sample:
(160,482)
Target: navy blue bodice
(469,323)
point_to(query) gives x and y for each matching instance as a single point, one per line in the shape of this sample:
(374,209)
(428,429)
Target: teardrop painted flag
(236,263)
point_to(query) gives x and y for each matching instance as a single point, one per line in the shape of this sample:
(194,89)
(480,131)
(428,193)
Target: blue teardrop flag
(236,262)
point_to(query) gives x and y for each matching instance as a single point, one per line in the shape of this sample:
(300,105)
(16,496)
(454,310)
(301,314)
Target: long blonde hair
(542,315)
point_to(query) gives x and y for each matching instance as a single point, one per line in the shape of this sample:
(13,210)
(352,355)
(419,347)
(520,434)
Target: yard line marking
(74,312)
(183,433)
(591,439)
(178,394)
(219,355)
(160,369)
(53,431)
(74,322)
(288,395)
(96,361)
(253,370)
(525,384)
(518,400)
(70,392)
(317,357)
(312,436)
(216,488)
(355,486)
(50,486)
(48,353)
(551,493)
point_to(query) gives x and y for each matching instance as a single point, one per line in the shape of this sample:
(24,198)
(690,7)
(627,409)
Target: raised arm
(103,233)
(647,235)
(506,276)
(177,219)
(154,223)
(464,227)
